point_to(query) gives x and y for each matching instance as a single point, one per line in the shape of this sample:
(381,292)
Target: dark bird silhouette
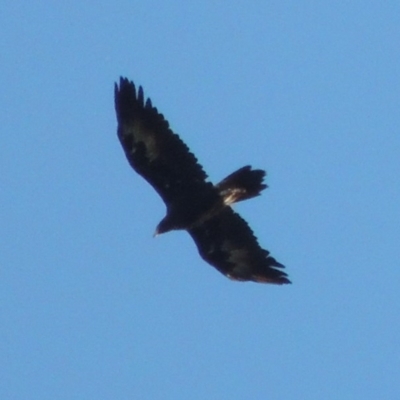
(222,237)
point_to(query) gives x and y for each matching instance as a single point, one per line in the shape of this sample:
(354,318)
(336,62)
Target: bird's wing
(153,150)
(227,242)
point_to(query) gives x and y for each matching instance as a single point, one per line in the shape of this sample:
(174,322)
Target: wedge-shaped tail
(242,184)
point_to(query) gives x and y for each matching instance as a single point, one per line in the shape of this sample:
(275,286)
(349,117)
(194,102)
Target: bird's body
(193,203)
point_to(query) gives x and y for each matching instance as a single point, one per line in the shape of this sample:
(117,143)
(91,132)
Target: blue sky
(92,307)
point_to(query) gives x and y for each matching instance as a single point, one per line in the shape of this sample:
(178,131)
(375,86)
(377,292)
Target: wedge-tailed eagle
(222,237)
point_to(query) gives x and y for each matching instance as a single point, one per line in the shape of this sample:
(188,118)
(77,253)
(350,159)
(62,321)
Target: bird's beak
(156,233)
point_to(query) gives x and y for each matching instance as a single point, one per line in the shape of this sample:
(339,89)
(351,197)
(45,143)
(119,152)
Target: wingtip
(125,84)
(281,280)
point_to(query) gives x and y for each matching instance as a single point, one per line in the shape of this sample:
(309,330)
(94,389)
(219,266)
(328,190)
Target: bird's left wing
(154,151)
(227,243)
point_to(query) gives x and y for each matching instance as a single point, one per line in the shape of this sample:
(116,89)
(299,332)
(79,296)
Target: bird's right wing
(228,244)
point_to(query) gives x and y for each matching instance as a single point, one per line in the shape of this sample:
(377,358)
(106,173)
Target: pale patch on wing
(145,136)
(238,257)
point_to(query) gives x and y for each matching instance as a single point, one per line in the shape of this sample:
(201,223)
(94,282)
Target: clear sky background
(92,307)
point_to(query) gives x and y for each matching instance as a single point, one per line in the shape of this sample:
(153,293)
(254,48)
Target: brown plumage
(194,204)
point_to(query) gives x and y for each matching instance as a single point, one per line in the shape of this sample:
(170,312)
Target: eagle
(193,203)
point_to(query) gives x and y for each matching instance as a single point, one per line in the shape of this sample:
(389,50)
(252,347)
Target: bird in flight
(223,238)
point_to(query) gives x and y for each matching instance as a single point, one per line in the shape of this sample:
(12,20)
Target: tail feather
(242,184)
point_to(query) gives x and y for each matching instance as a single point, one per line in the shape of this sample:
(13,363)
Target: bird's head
(164,226)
